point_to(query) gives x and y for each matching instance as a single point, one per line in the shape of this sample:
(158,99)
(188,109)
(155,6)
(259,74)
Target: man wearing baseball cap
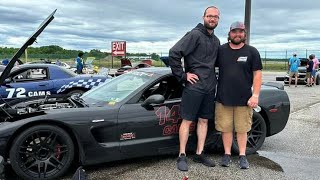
(238,91)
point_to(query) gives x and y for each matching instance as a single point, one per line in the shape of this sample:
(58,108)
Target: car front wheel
(256,135)
(42,152)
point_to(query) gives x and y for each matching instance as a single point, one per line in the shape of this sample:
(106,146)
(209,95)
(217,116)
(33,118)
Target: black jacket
(199,50)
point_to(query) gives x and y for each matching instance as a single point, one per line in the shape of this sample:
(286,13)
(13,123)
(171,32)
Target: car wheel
(256,135)
(42,152)
(318,80)
(76,92)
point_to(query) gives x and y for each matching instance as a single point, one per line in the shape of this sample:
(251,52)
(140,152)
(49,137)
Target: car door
(151,131)
(28,82)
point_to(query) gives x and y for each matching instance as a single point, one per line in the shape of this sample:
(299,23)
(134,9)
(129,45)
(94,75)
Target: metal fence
(270,59)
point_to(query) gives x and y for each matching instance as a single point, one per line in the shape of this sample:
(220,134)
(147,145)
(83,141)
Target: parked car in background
(47,61)
(127,65)
(302,74)
(31,80)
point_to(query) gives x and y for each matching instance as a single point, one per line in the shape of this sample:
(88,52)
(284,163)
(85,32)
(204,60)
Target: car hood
(125,62)
(302,69)
(30,41)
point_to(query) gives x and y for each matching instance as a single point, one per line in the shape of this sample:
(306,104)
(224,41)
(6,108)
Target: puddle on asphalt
(264,162)
(293,165)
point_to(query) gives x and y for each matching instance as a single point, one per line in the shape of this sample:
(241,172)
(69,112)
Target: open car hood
(29,42)
(125,62)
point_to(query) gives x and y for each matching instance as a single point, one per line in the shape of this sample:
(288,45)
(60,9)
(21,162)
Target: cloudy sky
(155,26)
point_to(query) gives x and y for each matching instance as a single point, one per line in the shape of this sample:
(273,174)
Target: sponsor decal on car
(127,136)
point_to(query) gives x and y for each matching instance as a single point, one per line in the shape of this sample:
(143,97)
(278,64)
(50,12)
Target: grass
(274,66)
(267,65)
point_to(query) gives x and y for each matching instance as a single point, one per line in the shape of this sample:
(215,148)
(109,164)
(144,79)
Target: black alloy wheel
(256,135)
(42,152)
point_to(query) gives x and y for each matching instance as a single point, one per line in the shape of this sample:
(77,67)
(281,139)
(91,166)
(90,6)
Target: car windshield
(68,71)
(117,89)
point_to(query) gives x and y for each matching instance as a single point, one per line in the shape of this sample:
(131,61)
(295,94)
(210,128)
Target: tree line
(57,52)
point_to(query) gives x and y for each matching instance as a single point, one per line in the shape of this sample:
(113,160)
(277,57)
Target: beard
(237,42)
(208,26)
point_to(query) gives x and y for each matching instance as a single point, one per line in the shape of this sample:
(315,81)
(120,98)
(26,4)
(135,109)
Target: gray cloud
(154,26)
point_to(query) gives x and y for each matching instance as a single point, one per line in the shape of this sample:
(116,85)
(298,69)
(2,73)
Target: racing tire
(42,152)
(256,135)
(280,78)
(76,92)
(318,80)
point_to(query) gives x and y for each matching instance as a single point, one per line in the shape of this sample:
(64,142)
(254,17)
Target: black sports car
(132,115)
(139,116)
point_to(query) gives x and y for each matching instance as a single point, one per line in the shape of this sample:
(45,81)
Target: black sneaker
(226,160)
(182,164)
(203,159)
(243,162)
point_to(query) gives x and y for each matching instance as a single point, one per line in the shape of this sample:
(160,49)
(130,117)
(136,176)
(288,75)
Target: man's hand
(253,101)
(192,78)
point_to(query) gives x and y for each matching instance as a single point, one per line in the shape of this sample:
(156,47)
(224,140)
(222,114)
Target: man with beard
(238,91)
(199,48)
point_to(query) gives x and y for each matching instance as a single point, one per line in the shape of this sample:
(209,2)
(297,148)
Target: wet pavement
(293,153)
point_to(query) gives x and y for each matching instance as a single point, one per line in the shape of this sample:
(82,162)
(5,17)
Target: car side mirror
(153,99)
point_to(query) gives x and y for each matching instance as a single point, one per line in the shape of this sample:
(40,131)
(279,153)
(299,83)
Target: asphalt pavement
(291,154)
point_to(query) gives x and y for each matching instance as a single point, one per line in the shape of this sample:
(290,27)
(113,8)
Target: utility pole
(247,19)
(26,54)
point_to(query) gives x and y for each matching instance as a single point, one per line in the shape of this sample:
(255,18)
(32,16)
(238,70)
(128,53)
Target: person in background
(199,48)
(5,61)
(309,71)
(79,63)
(314,69)
(239,85)
(294,64)
(58,62)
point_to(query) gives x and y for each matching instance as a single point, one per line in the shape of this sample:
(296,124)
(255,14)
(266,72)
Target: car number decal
(21,93)
(170,119)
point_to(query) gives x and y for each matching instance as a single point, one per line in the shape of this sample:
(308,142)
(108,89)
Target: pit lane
(291,154)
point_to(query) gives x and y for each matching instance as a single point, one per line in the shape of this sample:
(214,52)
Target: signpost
(118,48)
(247,19)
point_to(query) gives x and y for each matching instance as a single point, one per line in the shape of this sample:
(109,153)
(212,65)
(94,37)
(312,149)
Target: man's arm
(182,48)
(257,81)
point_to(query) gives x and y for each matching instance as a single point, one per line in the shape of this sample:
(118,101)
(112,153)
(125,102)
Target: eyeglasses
(212,17)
